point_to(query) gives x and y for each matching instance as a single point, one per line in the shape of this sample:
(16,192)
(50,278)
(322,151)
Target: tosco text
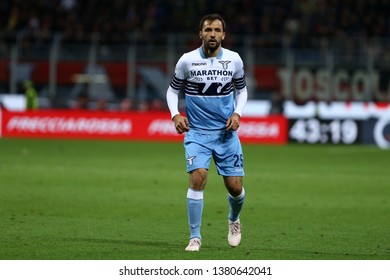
(248,270)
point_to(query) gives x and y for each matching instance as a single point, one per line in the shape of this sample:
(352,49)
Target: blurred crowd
(115,19)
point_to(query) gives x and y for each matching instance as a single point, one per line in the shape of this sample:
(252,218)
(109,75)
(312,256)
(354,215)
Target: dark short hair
(212,17)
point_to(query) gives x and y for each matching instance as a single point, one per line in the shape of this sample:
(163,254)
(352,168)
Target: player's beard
(212,47)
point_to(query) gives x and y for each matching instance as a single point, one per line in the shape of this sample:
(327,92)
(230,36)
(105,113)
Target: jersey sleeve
(180,75)
(239,75)
(240,85)
(241,98)
(173,102)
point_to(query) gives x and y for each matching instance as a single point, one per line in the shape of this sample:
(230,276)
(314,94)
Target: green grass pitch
(113,200)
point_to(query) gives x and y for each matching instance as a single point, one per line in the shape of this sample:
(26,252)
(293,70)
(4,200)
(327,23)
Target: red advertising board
(150,126)
(271,129)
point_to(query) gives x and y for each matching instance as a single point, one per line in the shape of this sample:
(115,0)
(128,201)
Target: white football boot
(194,245)
(234,235)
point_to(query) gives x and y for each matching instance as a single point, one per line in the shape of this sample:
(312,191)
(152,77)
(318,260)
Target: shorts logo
(225,64)
(191,160)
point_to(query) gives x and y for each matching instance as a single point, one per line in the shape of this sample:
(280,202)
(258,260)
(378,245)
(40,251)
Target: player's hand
(181,124)
(233,123)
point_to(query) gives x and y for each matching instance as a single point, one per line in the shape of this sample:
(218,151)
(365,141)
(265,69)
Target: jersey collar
(219,56)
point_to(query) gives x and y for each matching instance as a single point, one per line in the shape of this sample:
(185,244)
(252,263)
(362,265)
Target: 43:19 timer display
(324,131)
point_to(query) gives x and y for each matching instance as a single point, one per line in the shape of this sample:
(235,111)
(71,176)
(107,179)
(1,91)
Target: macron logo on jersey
(198,63)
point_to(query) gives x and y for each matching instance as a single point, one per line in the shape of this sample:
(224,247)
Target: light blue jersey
(209,87)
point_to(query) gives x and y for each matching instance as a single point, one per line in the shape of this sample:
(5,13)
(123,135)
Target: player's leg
(236,198)
(198,179)
(198,160)
(230,163)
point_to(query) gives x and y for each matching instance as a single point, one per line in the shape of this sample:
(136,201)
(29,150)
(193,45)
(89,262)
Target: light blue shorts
(225,149)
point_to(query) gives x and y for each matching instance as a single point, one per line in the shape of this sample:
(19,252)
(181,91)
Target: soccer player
(215,92)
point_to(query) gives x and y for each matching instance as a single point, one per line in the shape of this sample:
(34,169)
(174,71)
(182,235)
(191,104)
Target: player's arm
(241,98)
(177,82)
(233,123)
(180,122)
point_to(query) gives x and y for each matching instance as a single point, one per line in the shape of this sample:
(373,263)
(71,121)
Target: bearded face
(212,35)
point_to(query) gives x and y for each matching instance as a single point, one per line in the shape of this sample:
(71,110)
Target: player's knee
(235,190)
(198,179)
(233,185)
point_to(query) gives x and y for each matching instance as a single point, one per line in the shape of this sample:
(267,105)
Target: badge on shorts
(191,160)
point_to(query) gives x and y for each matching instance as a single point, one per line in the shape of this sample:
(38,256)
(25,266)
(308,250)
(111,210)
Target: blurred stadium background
(318,72)
(323,65)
